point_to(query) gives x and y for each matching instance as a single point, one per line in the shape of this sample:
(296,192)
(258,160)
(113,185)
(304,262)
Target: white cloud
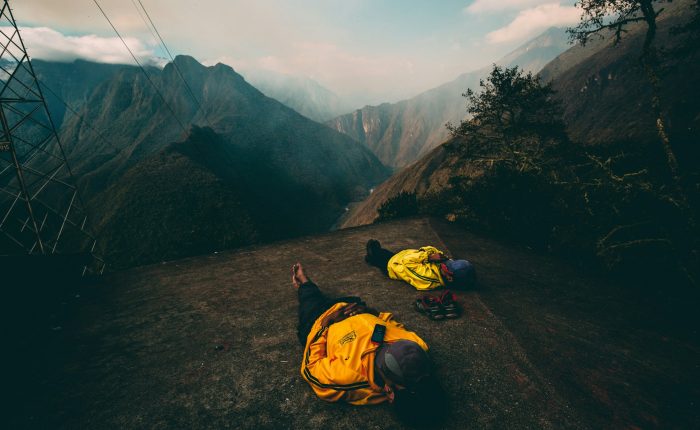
(490,6)
(334,42)
(48,44)
(531,21)
(337,68)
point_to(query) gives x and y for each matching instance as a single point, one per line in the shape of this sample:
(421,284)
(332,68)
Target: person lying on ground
(425,268)
(355,354)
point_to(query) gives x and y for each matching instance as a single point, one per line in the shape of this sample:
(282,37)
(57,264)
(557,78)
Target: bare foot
(295,283)
(298,275)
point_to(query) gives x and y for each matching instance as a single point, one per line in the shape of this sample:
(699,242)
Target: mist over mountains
(304,95)
(400,133)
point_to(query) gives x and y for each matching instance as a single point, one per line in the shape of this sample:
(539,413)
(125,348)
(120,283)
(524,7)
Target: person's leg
(378,256)
(312,302)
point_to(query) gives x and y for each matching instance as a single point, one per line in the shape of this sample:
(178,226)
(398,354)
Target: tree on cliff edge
(514,119)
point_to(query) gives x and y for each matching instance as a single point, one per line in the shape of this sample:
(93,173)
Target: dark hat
(462,272)
(403,361)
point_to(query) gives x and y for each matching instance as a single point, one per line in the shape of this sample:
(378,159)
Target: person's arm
(437,258)
(420,272)
(433,255)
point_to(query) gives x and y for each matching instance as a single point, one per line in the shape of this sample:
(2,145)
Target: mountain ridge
(399,133)
(304,95)
(122,143)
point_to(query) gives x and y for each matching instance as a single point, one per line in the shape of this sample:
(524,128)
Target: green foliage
(615,15)
(516,206)
(511,104)
(514,120)
(587,208)
(402,205)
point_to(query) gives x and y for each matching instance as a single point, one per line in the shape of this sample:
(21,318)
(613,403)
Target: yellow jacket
(412,266)
(338,360)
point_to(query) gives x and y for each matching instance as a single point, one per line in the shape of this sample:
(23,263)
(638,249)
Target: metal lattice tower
(40,209)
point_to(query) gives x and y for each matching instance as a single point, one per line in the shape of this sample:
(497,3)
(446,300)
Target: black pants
(379,257)
(312,303)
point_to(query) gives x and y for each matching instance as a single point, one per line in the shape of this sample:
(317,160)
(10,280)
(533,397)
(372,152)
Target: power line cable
(141,67)
(74,112)
(199,150)
(177,68)
(143,18)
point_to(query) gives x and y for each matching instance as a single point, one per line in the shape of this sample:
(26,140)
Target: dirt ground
(210,342)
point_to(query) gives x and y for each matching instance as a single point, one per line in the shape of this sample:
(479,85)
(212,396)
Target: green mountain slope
(72,82)
(203,195)
(264,159)
(131,114)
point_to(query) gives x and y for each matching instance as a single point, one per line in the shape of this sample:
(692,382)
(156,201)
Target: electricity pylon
(40,209)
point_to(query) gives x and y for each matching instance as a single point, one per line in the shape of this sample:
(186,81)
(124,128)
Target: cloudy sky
(370,50)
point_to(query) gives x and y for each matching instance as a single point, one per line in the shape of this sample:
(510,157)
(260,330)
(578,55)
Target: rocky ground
(210,342)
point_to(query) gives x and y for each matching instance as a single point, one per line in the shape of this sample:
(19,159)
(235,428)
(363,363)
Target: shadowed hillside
(430,174)
(606,93)
(73,83)
(203,195)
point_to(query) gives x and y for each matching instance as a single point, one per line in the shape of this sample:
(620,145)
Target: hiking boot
(372,246)
(449,305)
(430,306)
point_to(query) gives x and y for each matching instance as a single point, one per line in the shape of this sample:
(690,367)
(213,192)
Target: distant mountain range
(606,100)
(400,133)
(253,169)
(304,95)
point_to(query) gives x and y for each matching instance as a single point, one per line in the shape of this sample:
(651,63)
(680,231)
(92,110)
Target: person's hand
(349,310)
(362,308)
(353,309)
(445,272)
(333,317)
(389,393)
(437,258)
